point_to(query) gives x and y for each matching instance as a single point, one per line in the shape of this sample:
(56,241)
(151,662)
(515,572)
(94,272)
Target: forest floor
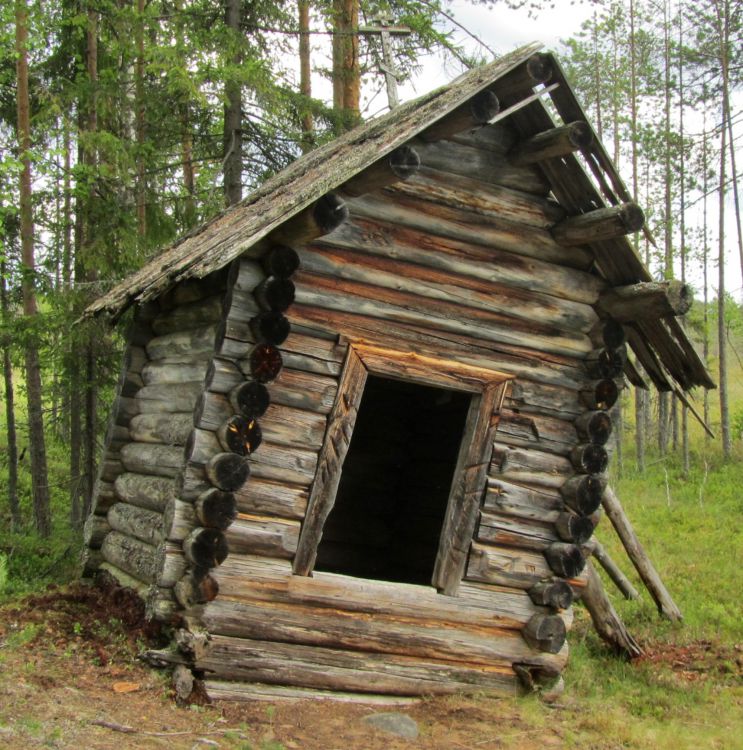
(71,679)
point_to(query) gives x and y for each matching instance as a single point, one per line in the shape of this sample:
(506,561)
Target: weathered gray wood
(545,633)
(322,217)
(554,593)
(474,114)
(605,619)
(205,548)
(532,430)
(589,458)
(336,669)
(372,235)
(594,427)
(152,459)
(166,428)
(276,498)
(133,556)
(94,531)
(315,393)
(169,397)
(401,164)
(216,509)
(330,462)
(573,528)
(191,590)
(249,577)
(516,568)
(144,490)
(501,530)
(583,493)
(553,143)
(140,523)
(565,560)
(281,261)
(520,81)
(605,363)
(601,224)
(241,435)
(179,519)
(171,563)
(636,553)
(601,394)
(321,627)
(596,549)
(158,371)
(484,295)
(526,466)
(249,399)
(270,327)
(188,316)
(538,503)
(260,535)
(648,300)
(227,471)
(183,346)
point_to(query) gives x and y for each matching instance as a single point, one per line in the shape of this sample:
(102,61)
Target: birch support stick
(605,618)
(649,575)
(621,581)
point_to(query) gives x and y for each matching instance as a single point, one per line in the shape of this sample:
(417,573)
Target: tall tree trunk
(305,76)
(189,173)
(10,433)
(39,481)
(640,401)
(140,125)
(233,111)
(705,275)
(346,71)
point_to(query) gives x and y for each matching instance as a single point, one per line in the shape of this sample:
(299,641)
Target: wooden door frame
(488,388)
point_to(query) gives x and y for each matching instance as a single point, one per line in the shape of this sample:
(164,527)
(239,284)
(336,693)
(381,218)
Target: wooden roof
(660,345)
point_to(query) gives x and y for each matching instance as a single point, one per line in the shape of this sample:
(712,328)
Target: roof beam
(601,224)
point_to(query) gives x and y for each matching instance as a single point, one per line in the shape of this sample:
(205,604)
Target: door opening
(395,483)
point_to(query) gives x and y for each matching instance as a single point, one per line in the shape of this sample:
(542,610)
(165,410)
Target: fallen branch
(647,572)
(125,729)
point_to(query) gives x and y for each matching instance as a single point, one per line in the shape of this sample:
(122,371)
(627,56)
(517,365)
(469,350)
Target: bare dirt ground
(71,679)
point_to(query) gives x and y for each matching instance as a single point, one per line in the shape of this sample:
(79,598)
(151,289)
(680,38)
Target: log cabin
(360,435)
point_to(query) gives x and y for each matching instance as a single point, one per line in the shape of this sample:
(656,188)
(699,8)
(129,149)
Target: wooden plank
(504,530)
(486,295)
(247,578)
(330,462)
(272,497)
(380,238)
(261,535)
(467,489)
(336,669)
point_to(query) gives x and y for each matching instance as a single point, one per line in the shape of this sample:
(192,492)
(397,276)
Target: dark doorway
(395,483)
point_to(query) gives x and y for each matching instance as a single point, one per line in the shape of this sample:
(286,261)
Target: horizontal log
(600,394)
(468,226)
(281,261)
(140,523)
(538,398)
(179,519)
(498,137)
(600,224)
(171,563)
(320,218)
(249,399)
(501,530)
(374,235)
(555,593)
(216,509)
(476,605)
(144,490)
(518,83)
(270,328)
(543,433)
(166,428)
(594,427)
(401,164)
(473,114)
(583,493)
(276,498)
(274,294)
(605,364)
(565,560)
(205,548)
(222,375)
(589,458)
(191,590)
(315,393)
(648,300)
(186,317)
(154,373)
(337,669)
(573,528)
(191,290)
(152,459)
(183,346)
(321,627)
(552,144)
(613,335)
(227,471)
(509,463)
(545,633)
(538,503)
(483,295)
(485,165)
(169,397)
(240,435)
(133,556)
(260,535)
(109,572)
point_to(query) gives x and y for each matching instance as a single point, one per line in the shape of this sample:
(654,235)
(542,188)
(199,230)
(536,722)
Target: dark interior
(395,483)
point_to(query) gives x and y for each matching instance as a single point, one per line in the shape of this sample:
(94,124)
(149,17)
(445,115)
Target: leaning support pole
(612,569)
(605,618)
(649,575)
